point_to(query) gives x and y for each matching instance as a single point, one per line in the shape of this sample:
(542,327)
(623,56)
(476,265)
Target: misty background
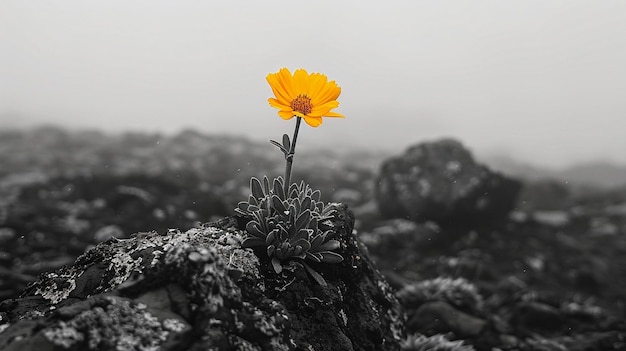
(542,82)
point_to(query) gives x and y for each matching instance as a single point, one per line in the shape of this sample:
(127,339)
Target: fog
(543,82)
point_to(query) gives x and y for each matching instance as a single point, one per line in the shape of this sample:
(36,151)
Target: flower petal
(334,114)
(300,82)
(278,104)
(313,121)
(316,84)
(286,78)
(286,114)
(279,88)
(330,91)
(322,110)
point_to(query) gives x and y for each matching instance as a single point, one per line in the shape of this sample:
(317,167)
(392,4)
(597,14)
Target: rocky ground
(476,259)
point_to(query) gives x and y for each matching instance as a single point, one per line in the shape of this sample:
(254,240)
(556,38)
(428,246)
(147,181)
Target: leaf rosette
(287,224)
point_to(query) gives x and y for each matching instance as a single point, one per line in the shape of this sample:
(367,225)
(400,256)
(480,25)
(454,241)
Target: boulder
(440,181)
(199,290)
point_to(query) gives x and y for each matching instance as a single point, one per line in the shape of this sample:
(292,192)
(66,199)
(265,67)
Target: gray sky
(544,81)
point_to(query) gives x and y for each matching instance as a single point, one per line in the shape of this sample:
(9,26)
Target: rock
(440,181)
(537,316)
(417,342)
(552,218)
(391,236)
(199,290)
(459,292)
(397,245)
(440,317)
(596,341)
(544,195)
(6,234)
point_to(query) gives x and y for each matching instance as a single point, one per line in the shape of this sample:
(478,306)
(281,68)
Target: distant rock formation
(199,290)
(440,181)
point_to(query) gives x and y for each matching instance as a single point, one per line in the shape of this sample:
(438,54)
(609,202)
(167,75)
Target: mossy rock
(199,290)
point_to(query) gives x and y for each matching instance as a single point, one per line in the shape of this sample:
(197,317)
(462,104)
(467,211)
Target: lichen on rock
(113,323)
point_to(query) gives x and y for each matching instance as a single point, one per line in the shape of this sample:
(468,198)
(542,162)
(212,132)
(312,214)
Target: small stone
(537,316)
(440,317)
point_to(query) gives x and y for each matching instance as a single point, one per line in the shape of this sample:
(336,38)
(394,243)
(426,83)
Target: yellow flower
(310,96)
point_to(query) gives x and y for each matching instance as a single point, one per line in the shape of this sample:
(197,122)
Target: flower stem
(289,157)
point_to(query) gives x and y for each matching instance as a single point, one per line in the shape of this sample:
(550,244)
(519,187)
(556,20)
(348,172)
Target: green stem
(289,157)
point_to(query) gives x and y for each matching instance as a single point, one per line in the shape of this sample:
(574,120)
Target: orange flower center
(302,104)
